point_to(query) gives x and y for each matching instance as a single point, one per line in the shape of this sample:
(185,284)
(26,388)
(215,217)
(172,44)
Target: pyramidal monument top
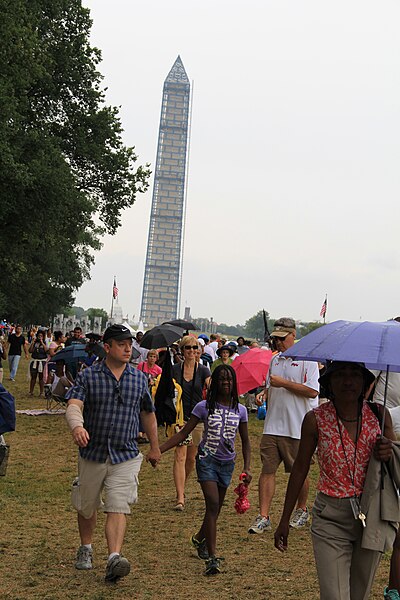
(177,73)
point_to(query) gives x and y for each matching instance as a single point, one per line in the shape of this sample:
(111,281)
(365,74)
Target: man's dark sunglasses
(191,347)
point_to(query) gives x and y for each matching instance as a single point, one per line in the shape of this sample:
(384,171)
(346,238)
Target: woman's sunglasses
(190,347)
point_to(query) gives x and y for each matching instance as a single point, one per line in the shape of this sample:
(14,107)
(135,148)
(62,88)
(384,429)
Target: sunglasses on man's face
(190,347)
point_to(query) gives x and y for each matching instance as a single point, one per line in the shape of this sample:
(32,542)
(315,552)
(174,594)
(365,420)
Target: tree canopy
(65,174)
(98,312)
(306,328)
(254,326)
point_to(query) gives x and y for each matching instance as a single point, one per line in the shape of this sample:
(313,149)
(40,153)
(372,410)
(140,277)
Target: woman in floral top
(345,432)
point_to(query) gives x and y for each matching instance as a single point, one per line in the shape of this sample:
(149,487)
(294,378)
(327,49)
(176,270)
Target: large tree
(65,174)
(255,327)
(98,312)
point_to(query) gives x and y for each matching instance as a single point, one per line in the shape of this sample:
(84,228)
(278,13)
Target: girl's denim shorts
(210,469)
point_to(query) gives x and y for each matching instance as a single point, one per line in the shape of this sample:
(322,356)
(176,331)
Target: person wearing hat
(346,432)
(242,347)
(208,348)
(201,356)
(225,354)
(234,346)
(103,412)
(292,390)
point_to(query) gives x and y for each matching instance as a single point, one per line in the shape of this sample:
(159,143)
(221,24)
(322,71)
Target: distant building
(162,276)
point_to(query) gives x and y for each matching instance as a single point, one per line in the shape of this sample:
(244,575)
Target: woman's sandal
(179,506)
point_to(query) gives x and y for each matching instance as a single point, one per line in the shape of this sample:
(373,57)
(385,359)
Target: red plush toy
(242,502)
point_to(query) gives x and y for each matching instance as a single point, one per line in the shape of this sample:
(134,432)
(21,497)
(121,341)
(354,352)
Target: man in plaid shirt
(103,413)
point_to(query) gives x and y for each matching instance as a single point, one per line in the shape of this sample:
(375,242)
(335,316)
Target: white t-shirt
(143,353)
(287,410)
(209,349)
(395,414)
(393,388)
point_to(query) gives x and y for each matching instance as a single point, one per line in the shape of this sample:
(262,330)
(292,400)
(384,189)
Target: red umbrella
(251,368)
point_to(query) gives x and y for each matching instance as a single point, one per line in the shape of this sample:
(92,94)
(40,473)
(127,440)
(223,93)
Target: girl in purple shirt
(223,416)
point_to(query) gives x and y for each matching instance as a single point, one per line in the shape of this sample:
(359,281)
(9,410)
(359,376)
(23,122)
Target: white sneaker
(84,559)
(299,518)
(260,525)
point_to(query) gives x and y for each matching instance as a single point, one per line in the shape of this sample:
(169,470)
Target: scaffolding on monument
(163,269)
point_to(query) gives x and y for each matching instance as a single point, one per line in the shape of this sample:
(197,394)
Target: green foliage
(306,328)
(78,311)
(254,327)
(231,330)
(65,175)
(98,312)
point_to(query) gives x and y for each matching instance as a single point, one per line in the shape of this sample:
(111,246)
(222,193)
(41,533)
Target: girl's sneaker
(201,547)
(299,518)
(213,566)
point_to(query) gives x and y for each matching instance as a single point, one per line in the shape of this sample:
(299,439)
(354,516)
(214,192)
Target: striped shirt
(111,411)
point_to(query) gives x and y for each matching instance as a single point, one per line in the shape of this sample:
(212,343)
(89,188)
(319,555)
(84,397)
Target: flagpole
(326,306)
(112,301)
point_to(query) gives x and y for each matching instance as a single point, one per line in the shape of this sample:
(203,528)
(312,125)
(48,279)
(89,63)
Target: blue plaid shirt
(111,411)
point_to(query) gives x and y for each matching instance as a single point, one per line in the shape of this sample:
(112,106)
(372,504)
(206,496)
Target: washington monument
(162,276)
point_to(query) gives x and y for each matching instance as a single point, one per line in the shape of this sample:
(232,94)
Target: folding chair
(53,401)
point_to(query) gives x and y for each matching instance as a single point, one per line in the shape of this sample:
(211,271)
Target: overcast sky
(294,174)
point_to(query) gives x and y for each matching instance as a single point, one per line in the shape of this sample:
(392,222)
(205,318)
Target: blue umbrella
(7,411)
(377,345)
(71,353)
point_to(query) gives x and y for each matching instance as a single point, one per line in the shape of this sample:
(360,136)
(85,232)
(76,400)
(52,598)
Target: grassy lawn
(39,533)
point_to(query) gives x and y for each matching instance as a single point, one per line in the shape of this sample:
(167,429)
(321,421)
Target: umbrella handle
(384,400)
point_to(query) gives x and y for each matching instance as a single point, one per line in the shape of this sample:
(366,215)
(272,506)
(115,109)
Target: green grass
(39,534)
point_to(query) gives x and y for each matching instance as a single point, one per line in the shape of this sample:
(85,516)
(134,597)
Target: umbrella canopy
(98,350)
(375,344)
(93,336)
(251,368)
(183,324)
(71,354)
(7,411)
(161,336)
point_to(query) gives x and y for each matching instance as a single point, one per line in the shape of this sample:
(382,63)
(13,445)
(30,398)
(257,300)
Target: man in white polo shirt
(292,390)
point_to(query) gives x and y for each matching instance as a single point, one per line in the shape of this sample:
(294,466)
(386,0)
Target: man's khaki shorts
(197,434)
(119,483)
(275,449)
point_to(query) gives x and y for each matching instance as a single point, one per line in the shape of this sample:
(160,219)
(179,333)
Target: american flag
(323,308)
(115,289)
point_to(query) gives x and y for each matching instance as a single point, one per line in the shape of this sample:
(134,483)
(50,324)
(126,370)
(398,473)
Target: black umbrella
(71,354)
(164,398)
(97,349)
(161,336)
(93,336)
(182,323)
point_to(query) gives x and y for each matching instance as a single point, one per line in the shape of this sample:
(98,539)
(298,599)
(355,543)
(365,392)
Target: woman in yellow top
(193,377)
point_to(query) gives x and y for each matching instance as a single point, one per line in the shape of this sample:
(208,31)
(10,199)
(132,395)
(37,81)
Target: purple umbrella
(377,345)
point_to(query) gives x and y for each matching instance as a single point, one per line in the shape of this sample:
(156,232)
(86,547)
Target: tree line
(253,328)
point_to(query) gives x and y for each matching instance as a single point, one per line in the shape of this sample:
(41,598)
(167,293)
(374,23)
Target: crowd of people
(118,397)
(41,347)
